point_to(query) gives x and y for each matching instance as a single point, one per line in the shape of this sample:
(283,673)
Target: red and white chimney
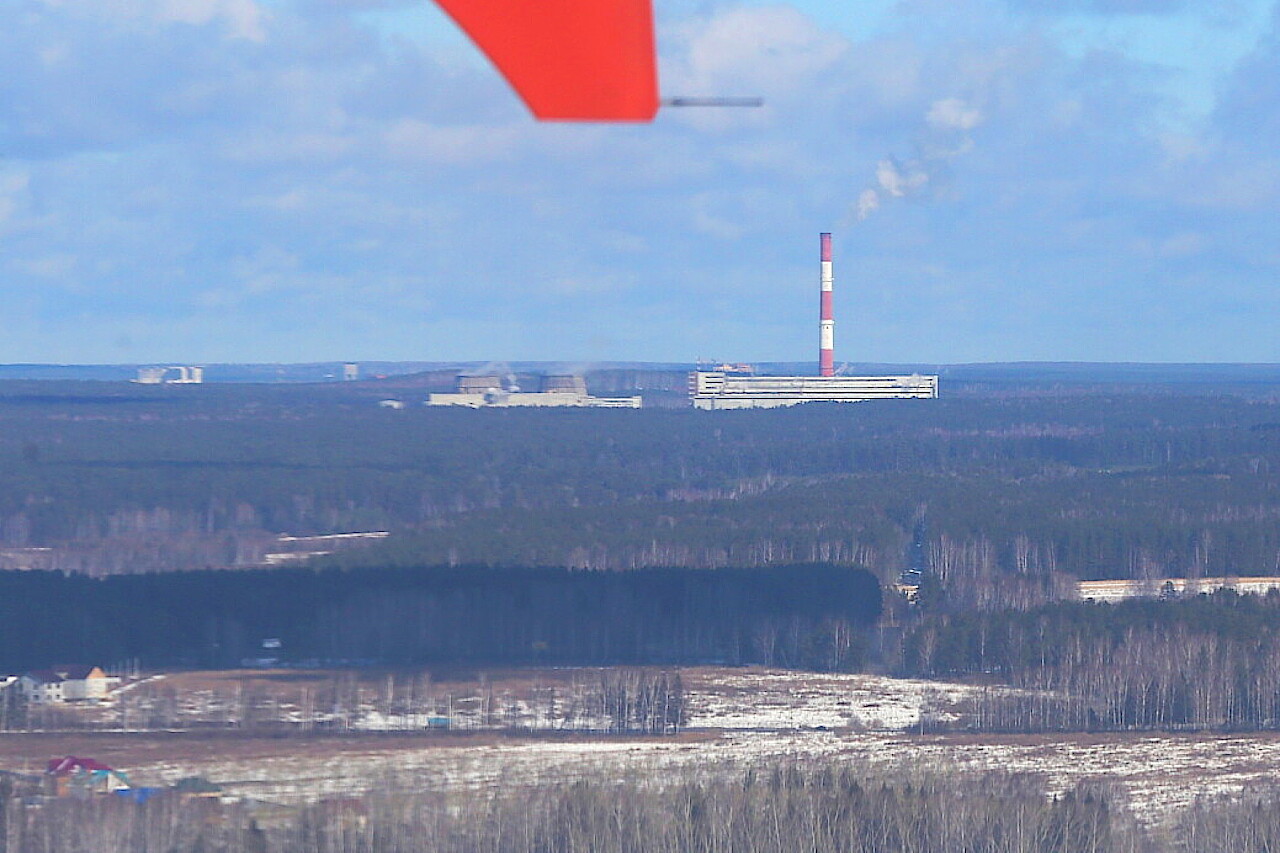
(827,325)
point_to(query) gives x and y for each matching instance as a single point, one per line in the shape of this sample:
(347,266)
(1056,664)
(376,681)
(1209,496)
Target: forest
(820,806)
(1040,481)
(1206,662)
(151,518)
(814,617)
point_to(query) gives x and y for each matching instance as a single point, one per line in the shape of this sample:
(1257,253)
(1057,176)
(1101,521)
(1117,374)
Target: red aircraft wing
(569,60)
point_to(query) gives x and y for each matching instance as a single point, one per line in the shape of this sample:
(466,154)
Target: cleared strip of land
(1117,590)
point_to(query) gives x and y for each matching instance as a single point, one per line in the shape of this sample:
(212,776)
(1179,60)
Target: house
(75,775)
(66,683)
(41,687)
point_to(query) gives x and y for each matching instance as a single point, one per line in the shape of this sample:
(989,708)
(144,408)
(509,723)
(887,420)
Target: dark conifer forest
(808,617)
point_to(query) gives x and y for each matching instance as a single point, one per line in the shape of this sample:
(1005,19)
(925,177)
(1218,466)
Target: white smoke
(492,368)
(868,203)
(901,179)
(949,121)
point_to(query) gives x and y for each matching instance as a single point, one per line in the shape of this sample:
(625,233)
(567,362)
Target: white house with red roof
(84,774)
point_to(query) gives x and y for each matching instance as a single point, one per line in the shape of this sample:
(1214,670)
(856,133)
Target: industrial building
(157,375)
(733,389)
(714,390)
(478,392)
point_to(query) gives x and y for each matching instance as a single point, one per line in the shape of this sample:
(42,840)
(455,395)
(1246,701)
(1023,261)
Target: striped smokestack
(827,325)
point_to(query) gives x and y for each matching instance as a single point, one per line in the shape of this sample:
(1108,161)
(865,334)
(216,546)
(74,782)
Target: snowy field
(738,718)
(782,700)
(1160,774)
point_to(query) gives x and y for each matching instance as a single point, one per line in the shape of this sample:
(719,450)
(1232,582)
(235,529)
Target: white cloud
(445,145)
(773,51)
(290,184)
(243,19)
(953,114)
(719,227)
(293,145)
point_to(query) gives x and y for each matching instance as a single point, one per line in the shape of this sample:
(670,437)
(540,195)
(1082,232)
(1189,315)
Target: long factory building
(487,392)
(719,389)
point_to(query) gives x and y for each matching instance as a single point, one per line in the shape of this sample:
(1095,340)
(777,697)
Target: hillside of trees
(1040,481)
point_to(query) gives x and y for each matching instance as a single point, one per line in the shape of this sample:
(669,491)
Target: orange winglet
(569,60)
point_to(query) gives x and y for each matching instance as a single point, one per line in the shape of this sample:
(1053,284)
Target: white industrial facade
(156,375)
(717,390)
(483,392)
(540,399)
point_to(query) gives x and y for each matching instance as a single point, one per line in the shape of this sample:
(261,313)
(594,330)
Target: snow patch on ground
(764,699)
(1160,775)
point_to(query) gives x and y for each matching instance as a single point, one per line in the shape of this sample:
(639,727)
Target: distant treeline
(1109,482)
(1206,662)
(979,529)
(806,616)
(828,807)
(1070,480)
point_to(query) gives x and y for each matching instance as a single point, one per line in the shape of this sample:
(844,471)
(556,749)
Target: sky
(199,181)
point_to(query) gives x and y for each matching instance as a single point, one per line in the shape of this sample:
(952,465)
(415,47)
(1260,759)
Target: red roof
(73,764)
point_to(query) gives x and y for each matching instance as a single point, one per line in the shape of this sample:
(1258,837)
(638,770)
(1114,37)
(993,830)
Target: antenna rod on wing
(713,102)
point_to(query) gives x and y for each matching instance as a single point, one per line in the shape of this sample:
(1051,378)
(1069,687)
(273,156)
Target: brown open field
(738,716)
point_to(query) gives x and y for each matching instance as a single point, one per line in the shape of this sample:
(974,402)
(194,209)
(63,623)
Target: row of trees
(616,700)
(979,529)
(822,808)
(808,616)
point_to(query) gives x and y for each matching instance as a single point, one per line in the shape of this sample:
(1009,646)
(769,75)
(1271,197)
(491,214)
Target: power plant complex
(730,389)
(726,386)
